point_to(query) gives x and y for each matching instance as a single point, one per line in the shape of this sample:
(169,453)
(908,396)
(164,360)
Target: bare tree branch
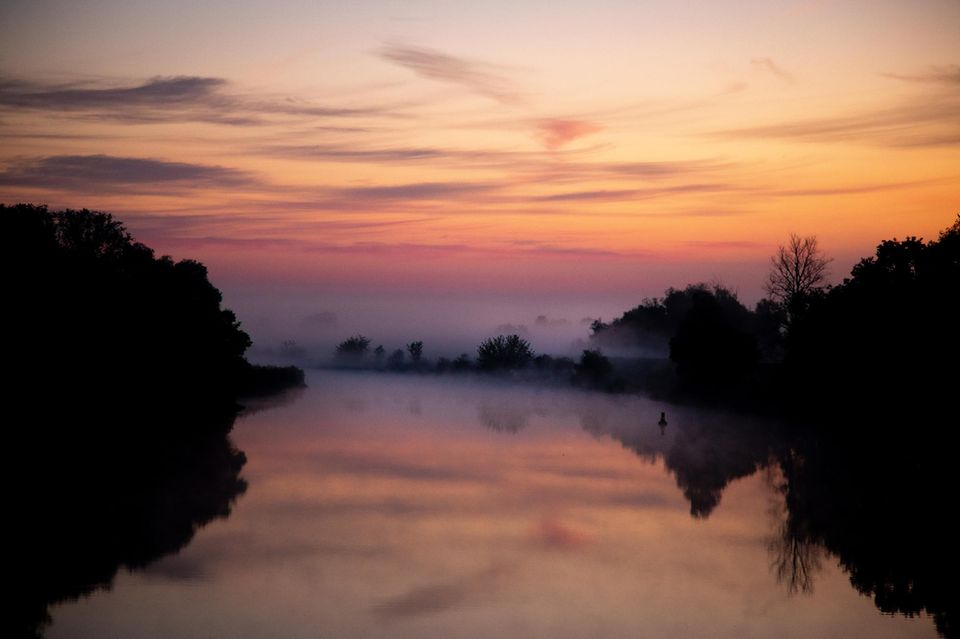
(798,269)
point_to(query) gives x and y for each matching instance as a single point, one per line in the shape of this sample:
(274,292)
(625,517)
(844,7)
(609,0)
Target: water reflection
(880,503)
(110,488)
(417,507)
(860,493)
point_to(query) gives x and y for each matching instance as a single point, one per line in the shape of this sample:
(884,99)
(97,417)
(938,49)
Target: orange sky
(588,151)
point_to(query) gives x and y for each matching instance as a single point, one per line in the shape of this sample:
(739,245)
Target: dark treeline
(509,355)
(887,331)
(883,341)
(92,313)
(123,377)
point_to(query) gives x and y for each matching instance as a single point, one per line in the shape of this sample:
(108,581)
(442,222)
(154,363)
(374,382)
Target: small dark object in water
(663,419)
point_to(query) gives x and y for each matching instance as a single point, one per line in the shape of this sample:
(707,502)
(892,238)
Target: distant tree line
(500,353)
(888,330)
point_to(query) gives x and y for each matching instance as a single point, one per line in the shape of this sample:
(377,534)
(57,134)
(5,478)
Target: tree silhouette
(91,311)
(798,268)
(124,370)
(888,331)
(395,361)
(353,348)
(593,368)
(714,346)
(504,352)
(416,352)
(797,272)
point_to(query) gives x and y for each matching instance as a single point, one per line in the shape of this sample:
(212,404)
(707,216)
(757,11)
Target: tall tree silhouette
(797,272)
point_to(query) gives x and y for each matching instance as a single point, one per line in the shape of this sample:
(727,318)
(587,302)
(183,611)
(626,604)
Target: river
(410,506)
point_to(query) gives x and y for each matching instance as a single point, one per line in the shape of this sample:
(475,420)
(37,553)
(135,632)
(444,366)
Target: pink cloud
(555,534)
(556,132)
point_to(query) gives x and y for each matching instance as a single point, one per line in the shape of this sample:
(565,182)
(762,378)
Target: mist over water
(382,505)
(448,326)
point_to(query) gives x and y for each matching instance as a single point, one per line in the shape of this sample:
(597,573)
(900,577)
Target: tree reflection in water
(880,503)
(98,490)
(864,494)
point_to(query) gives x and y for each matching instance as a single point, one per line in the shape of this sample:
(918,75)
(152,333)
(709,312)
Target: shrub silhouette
(353,348)
(593,368)
(395,361)
(504,352)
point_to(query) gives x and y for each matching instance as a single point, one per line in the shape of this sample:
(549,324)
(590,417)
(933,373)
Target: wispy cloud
(92,172)
(767,64)
(931,121)
(161,99)
(180,91)
(418,191)
(615,195)
(507,159)
(209,226)
(479,77)
(722,244)
(947,74)
(852,189)
(556,133)
(352,153)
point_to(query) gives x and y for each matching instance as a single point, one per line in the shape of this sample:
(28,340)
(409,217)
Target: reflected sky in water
(391,506)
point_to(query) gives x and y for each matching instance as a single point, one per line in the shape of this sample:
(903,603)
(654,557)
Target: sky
(410,167)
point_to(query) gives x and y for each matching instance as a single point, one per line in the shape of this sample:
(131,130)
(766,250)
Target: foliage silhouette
(395,361)
(504,352)
(713,346)
(645,329)
(125,375)
(92,311)
(353,348)
(593,368)
(798,273)
(416,352)
(888,331)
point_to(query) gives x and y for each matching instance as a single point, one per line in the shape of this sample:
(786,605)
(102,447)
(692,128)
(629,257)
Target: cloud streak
(617,195)
(162,99)
(418,191)
(768,65)
(947,74)
(478,77)
(931,121)
(93,172)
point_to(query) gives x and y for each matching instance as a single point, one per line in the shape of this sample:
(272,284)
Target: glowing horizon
(528,150)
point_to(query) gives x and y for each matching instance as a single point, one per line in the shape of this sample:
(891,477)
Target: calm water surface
(400,506)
